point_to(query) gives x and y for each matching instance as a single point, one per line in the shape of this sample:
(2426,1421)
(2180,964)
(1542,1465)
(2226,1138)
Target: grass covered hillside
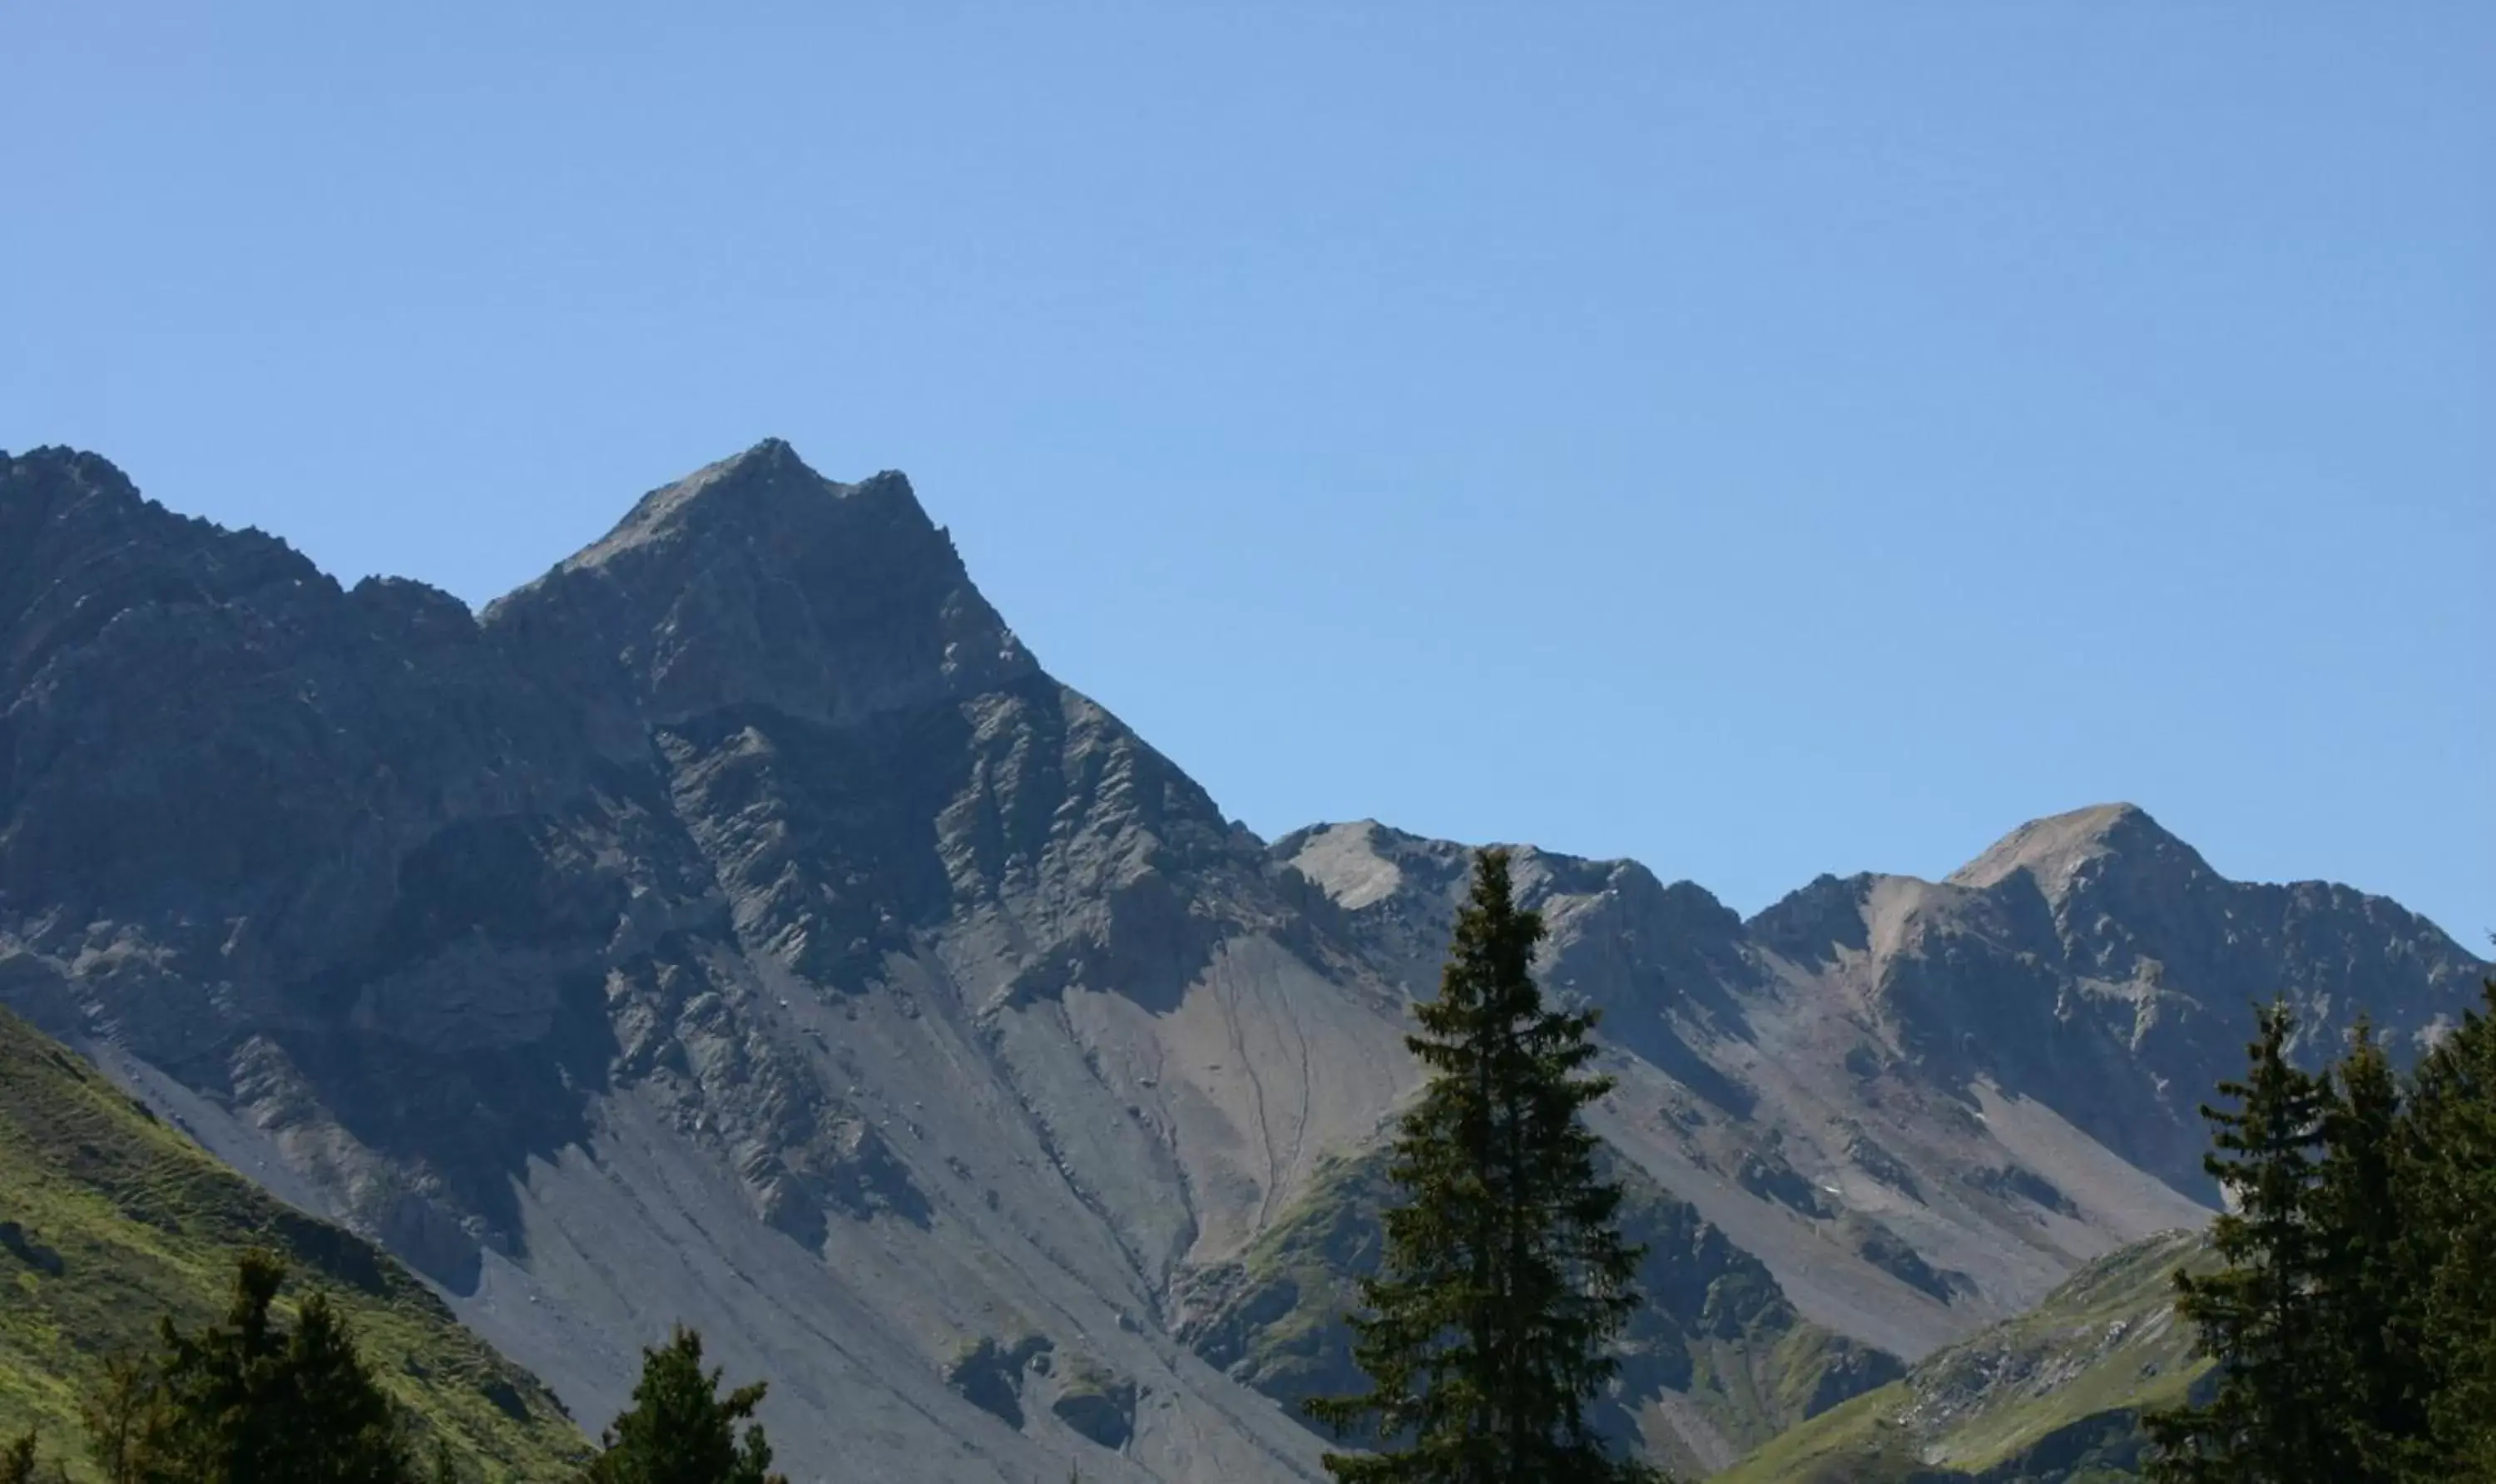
(2050,1396)
(1716,1362)
(109,1218)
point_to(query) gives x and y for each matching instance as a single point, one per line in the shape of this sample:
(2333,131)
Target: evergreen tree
(2375,1384)
(1504,1275)
(245,1401)
(351,1431)
(679,1430)
(2449,1202)
(2260,1315)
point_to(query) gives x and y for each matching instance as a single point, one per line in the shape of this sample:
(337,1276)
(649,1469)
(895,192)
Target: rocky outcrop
(1096,1403)
(988,1372)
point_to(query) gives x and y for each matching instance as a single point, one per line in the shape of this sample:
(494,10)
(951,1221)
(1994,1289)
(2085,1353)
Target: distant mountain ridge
(738,924)
(2000,1071)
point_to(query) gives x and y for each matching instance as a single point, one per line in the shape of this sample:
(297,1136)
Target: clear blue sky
(1759,438)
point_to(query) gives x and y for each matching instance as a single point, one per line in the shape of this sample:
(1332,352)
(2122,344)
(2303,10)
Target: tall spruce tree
(1504,1275)
(2449,1202)
(2260,1315)
(2369,1305)
(681,1428)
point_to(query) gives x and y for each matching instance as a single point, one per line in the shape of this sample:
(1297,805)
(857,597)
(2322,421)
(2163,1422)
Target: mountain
(734,925)
(110,1218)
(2051,1397)
(1923,1104)
(2154,963)
(737,924)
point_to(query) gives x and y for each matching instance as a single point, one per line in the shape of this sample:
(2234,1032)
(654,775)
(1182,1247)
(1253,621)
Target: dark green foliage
(1505,1277)
(249,1399)
(2355,1320)
(2373,1388)
(2448,1183)
(680,1429)
(247,1402)
(2258,1313)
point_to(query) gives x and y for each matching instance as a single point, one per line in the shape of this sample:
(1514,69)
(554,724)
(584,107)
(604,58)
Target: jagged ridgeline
(738,925)
(111,1219)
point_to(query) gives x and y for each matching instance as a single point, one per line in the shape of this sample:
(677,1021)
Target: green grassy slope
(1717,1338)
(109,1218)
(2050,1396)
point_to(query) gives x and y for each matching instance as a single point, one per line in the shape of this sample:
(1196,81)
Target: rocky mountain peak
(58,469)
(757,582)
(1356,864)
(765,491)
(1811,922)
(67,510)
(2062,852)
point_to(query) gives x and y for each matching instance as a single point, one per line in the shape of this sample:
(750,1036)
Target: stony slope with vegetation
(111,1218)
(739,925)
(2051,1397)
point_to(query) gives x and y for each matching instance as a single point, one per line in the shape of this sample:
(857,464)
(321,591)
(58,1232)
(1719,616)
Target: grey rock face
(989,1375)
(737,925)
(314,849)
(2147,966)
(757,583)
